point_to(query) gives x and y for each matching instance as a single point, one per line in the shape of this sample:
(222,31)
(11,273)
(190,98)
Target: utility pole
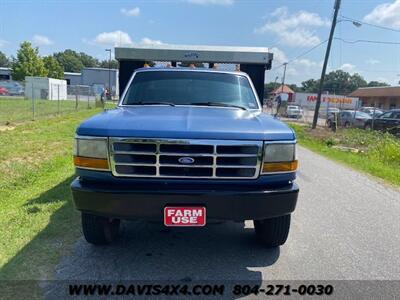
(284,76)
(328,50)
(280,97)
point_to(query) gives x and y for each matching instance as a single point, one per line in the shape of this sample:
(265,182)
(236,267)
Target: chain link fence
(31,100)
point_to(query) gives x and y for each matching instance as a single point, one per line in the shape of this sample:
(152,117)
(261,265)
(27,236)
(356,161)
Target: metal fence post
(33,103)
(373,116)
(76,99)
(88,97)
(58,96)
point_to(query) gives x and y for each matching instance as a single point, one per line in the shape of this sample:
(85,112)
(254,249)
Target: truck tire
(272,232)
(99,230)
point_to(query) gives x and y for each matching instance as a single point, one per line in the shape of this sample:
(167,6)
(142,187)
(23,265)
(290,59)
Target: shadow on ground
(144,251)
(149,251)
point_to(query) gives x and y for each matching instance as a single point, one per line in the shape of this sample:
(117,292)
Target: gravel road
(346,226)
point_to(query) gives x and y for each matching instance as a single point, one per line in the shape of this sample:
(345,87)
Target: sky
(291,29)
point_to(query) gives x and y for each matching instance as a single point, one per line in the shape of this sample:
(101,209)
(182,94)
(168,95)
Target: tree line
(28,62)
(336,82)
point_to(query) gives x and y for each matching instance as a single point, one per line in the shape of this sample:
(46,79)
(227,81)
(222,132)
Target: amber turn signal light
(289,166)
(91,163)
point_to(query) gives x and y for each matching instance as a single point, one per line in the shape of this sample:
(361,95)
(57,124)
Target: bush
(387,150)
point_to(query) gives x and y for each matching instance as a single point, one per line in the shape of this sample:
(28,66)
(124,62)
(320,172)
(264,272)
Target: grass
(37,221)
(377,154)
(14,110)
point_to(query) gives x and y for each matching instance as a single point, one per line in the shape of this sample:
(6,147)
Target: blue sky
(288,27)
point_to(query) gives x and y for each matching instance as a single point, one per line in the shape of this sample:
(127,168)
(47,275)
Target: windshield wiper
(153,103)
(221,104)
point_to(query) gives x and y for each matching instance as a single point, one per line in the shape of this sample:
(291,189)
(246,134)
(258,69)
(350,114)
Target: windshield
(188,87)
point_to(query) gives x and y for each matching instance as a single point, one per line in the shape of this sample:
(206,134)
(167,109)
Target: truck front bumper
(221,204)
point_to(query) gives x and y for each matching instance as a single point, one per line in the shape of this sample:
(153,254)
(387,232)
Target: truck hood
(186,122)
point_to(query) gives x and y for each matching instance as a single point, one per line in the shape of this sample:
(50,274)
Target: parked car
(387,122)
(185,146)
(14,88)
(293,111)
(3,91)
(328,111)
(349,118)
(371,111)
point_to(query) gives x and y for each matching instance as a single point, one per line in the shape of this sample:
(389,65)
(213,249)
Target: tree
(4,60)
(54,69)
(336,82)
(88,61)
(294,87)
(376,83)
(270,87)
(356,81)
(27,63)
(114,64)
(69,60)
(310,86)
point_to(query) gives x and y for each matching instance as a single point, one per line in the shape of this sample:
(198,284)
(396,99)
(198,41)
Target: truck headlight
(91,153)
(279,158)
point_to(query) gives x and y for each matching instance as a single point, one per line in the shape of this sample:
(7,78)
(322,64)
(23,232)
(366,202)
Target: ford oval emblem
(186,160)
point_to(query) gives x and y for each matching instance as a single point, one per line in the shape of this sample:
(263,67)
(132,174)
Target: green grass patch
(37,221)
(377,153)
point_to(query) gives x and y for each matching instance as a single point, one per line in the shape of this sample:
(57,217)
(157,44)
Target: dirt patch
(319,133)
(6,127)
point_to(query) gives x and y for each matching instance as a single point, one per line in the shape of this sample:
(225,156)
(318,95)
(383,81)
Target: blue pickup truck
(185,146)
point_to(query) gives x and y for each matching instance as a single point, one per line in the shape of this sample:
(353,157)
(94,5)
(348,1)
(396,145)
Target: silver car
(349,118)
(371,111)
(293,111)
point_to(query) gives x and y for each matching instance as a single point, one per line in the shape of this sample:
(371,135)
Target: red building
(285,90)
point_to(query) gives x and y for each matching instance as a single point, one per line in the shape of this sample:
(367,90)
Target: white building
(45,88)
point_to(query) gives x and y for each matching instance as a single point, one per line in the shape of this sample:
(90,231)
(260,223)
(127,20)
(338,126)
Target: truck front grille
(166,158)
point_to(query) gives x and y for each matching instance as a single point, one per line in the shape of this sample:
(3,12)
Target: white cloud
(294,29)
(133,12)
(211,2)
(3,43)
(41,40)
(114,38)
(279,56)
(348,67)
(146,41)
(120,38)
(372,61)
(307,63)
(297,70)
(385,14)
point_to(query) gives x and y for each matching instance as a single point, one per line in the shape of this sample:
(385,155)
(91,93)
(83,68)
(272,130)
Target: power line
(370,24)
(300,55)
(367,41)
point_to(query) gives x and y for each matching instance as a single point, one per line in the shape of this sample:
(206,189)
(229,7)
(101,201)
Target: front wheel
(367,127)
(99,230)
(272,232)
